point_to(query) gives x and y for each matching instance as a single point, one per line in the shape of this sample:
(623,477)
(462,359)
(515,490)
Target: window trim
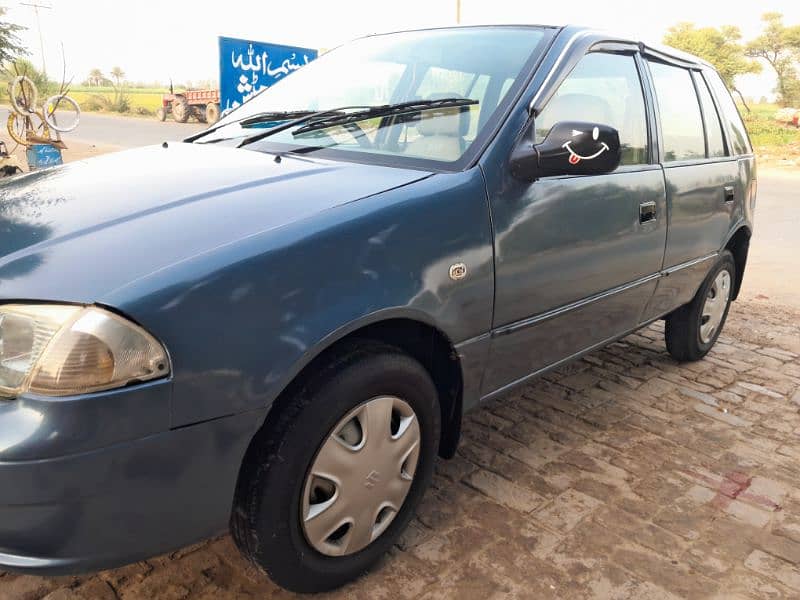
(661,148)
(651,111)
(702,113)
(697,77)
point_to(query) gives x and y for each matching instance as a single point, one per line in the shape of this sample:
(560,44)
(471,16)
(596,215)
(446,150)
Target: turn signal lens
(57,350)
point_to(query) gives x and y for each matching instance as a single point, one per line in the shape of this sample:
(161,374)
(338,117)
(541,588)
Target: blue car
(275,326)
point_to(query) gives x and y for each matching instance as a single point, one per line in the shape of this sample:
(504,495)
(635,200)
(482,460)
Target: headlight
(61,350)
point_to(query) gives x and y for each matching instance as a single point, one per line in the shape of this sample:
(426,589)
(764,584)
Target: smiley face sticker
(585,143)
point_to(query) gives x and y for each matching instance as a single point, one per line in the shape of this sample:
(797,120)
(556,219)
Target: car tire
(271,508)
(692,330)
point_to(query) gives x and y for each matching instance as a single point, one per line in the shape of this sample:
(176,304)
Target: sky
(158,40)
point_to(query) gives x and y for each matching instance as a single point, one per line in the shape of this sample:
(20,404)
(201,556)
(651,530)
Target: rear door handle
(647,212)
(730,193)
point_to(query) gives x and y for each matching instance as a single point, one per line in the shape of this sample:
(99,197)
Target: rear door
(702,181)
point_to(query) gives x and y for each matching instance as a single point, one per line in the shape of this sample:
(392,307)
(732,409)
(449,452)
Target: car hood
(75,232)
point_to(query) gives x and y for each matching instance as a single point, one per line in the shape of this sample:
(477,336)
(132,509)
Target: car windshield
(483,67)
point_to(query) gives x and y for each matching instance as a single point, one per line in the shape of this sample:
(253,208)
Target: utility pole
(458,12)
(36,6)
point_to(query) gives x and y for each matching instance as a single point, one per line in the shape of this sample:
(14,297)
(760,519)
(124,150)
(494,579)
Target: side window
(604,89)
(739,142)
(716,145)
(678,107)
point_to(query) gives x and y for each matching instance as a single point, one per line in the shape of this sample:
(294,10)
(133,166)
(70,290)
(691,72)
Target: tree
(118,75)
(22,66)
(121,102)
(779,46)
(721,47)
(96,77)
(10,45)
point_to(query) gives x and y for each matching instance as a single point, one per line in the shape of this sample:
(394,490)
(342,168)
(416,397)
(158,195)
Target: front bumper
(103,507)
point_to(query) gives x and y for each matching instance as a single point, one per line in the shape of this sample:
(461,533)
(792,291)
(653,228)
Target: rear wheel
(212,113)
(692,330)
(328,486)
(181,110)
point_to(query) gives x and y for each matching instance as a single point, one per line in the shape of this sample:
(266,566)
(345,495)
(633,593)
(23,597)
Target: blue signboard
(246,67)
(43,155)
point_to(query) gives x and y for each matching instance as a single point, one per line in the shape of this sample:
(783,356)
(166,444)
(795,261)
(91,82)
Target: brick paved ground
(624,475)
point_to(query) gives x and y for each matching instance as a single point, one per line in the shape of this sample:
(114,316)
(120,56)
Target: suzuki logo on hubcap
(372,479)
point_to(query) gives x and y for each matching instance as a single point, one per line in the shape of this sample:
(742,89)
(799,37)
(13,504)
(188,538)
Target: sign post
(246,67)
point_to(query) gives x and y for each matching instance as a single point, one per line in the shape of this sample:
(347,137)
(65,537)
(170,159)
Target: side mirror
(570,148)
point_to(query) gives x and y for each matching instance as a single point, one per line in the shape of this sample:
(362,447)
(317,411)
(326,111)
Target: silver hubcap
(361,476)
(714,307)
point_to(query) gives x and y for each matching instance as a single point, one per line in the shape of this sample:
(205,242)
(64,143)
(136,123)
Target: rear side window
(604,89)
(739,142)
(681,121)
(716,144)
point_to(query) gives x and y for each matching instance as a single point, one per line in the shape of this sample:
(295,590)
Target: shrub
(96,102)
(118,103)
(121,103)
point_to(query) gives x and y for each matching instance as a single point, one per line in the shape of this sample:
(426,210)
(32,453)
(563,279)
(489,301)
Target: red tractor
(203,105)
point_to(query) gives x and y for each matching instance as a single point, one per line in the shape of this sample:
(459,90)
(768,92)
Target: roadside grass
(771,139)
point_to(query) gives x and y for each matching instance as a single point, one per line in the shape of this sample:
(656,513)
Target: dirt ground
(624,475)
(75,151)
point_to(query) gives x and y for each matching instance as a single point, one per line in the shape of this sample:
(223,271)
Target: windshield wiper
(262,117)
(387,110)
(299,120)
(338,116)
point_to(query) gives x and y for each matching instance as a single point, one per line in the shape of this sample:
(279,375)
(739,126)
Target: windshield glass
(481,64)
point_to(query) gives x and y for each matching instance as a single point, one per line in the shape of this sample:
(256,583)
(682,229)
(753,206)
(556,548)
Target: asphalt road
(126,132)
(773,265)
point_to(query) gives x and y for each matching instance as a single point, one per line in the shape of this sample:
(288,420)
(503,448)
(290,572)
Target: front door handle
(730,193)
(647,212)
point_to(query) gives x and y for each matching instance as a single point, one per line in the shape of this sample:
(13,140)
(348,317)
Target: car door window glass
(679,110)
(458,84)
(604,89)
(716,145)
(739,142)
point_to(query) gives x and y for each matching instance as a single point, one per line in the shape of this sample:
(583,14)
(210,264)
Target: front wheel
(692,330)
(329,484)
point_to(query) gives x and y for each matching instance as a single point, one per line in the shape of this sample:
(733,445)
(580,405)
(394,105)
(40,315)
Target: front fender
(241,321)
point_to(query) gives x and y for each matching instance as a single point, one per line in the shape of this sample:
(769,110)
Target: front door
(577,257)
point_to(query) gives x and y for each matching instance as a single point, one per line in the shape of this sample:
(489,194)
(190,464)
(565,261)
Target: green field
(765,131)
(141,100)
